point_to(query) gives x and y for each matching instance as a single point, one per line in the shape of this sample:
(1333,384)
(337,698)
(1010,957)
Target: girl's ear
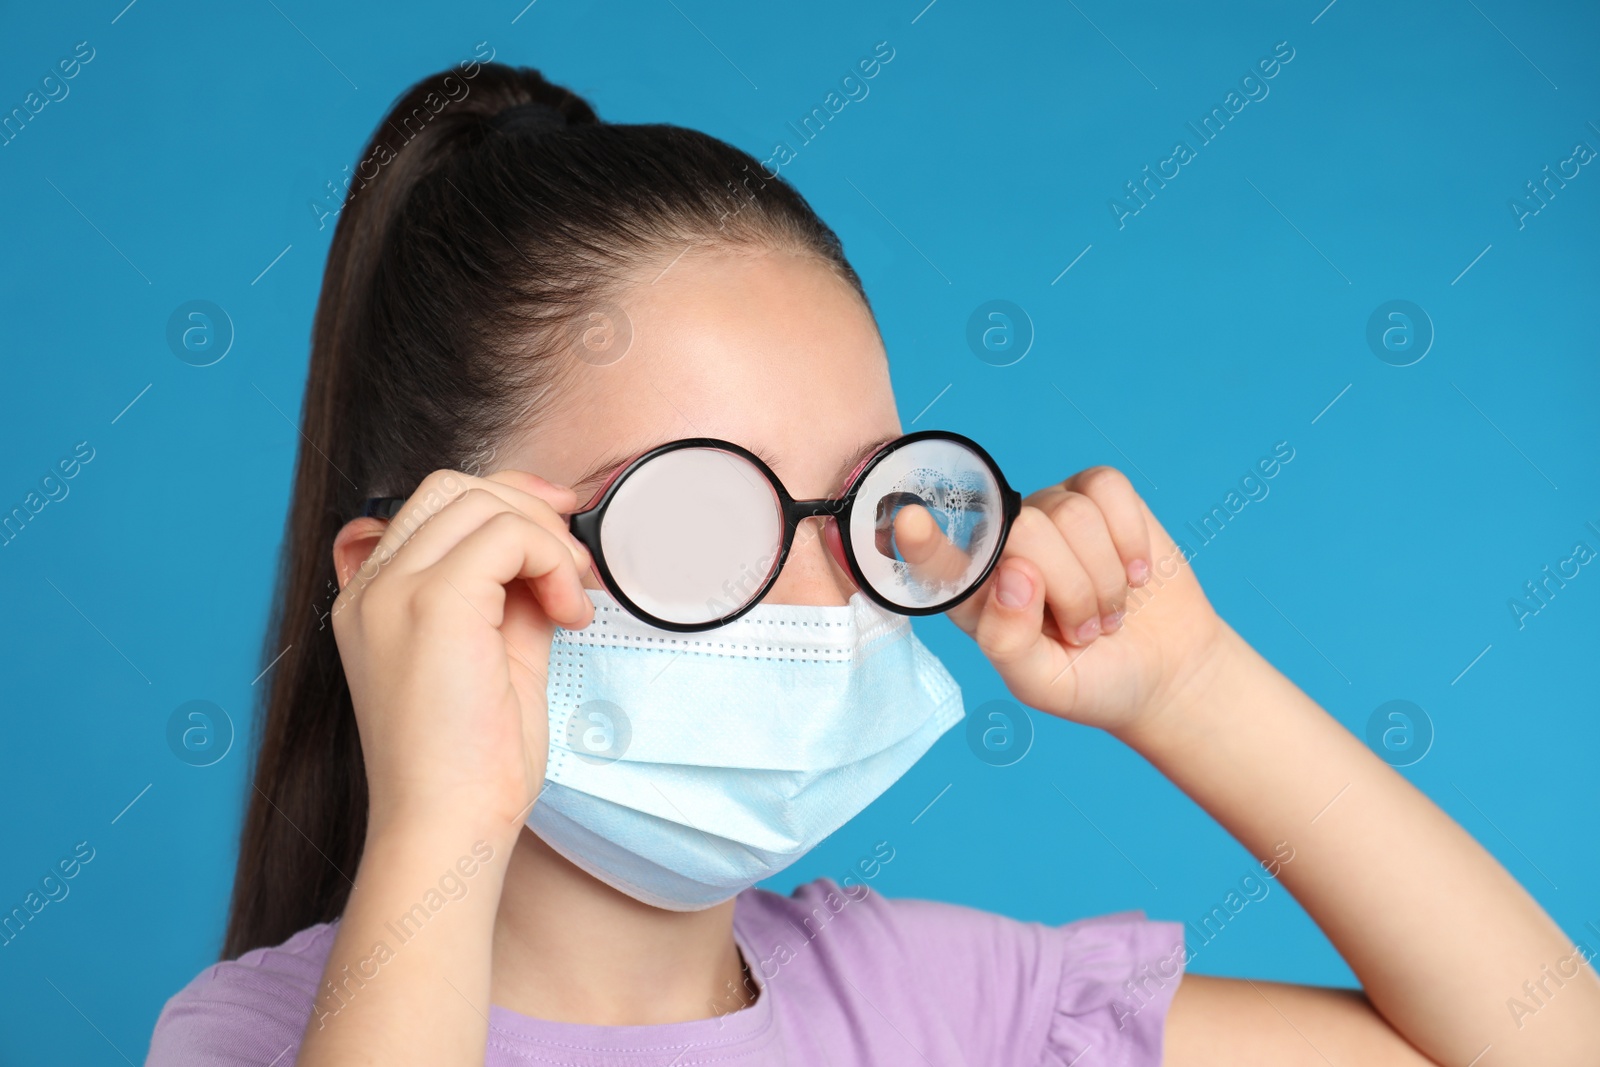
(353,544)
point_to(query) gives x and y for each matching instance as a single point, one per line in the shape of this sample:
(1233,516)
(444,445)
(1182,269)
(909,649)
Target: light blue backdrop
(1181,342)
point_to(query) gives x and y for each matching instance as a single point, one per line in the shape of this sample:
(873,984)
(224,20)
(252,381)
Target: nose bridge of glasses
(823,507)
(831,534)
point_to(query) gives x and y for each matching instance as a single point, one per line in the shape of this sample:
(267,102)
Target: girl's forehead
(771,352)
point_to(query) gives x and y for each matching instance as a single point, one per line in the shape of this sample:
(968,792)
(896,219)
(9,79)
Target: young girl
(540,734)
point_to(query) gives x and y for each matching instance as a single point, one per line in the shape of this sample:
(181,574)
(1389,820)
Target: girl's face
(771,351)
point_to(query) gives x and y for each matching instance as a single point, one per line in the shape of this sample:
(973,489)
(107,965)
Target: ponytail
(490,210)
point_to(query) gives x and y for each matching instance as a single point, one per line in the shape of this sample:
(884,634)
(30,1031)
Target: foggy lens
(693,534)
(925,522)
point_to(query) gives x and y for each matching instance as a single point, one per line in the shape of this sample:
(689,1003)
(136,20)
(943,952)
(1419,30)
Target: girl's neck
(569,948)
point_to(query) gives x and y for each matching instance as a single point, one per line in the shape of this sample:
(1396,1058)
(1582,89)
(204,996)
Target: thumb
(1009,627)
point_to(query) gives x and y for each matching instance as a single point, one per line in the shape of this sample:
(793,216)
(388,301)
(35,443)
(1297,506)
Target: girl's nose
(816,571)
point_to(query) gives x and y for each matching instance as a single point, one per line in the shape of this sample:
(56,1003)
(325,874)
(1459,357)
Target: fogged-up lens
(692,534)
(926,522)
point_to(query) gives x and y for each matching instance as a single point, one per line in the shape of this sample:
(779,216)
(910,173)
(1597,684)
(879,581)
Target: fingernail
(1088,631)
(1111,623)
(1015,588)
(1138,572)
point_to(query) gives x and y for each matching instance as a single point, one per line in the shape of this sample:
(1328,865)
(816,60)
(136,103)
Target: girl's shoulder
(1049,994)
(249,1010)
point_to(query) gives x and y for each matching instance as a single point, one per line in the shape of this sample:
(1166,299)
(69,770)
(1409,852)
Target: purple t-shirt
(845,977)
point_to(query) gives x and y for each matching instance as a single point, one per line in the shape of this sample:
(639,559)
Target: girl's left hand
(1109,622)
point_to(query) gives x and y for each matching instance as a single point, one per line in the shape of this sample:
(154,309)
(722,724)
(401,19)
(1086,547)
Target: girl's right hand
(443,625)
(1093,638)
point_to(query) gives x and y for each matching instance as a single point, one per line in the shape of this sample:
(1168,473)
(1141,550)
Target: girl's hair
(473,247)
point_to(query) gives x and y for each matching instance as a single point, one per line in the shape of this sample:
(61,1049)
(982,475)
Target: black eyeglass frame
(585,525)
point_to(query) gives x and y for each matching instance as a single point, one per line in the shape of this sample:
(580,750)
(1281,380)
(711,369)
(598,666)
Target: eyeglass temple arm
(382,507)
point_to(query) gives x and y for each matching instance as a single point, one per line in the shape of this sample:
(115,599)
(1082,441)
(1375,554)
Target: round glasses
(693,533)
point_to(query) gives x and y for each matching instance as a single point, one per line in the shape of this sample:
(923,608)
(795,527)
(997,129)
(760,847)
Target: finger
(1069,590)
(429,498)
(444,531)
(528,487)
(558,495)
(926,548)
(1010,627)
(1123,510)
(441,490)
(506,547)
(1084,527)
(1070,603)
(544,501)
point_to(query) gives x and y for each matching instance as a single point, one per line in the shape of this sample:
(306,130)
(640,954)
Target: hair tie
(527,118)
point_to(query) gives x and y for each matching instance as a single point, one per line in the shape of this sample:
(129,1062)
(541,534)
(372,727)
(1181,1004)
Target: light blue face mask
(685,768)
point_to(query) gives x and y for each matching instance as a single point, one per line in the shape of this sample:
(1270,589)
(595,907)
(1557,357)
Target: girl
(519,776)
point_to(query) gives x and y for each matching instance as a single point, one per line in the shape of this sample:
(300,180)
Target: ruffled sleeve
(976,987)
(245,1012)
(1118,975)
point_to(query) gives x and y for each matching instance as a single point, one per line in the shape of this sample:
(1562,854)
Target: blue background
(1227,315)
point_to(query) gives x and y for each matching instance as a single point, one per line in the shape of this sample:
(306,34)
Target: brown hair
(499,211)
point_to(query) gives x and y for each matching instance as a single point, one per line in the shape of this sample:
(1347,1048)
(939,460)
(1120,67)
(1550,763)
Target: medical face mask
(686,767)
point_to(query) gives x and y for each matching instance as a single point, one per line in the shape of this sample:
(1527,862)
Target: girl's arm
(1093,614)
(405,982)
(1441,937)
(443,621)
